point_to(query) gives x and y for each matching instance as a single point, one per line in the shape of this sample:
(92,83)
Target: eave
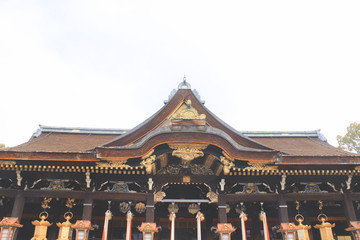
(318,160)
(231,148)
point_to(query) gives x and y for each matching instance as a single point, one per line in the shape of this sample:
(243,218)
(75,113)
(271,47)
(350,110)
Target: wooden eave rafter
(129,170)
(164,113)
(318,160)
(48,156)
(293,172)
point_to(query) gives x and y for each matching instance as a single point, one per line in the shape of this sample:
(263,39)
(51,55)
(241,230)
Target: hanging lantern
(41,226)
(9,226)
(148,230)
(302,230)
(354,229)
(65,230)
(225,230)
(288,231)
(325,227)
(82,228)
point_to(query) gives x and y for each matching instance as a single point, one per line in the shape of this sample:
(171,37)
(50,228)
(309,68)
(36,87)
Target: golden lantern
(41,227)
(148,230)
(9,226)
(65,230)
(225,230)
(354,229)
(325,227)
(82,228)
(302,230)
(288,231)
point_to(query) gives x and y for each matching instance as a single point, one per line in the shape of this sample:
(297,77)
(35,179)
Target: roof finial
(184,84)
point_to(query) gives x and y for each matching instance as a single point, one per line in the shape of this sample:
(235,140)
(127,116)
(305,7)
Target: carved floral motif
(187,151)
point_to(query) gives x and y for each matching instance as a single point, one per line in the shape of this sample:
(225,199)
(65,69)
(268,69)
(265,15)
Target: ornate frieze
(9,163)
(187,151)
(118,163)
(249,188)
(181,169)
(120,187)
(312,187)
(256,166)
(56,184)
(148,163)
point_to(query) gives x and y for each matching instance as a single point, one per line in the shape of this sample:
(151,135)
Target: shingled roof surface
(65,140)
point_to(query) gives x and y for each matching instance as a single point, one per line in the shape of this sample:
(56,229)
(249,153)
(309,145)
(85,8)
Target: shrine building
(182,174)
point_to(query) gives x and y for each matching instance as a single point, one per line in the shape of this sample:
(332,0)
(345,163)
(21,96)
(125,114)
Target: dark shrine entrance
(185,200)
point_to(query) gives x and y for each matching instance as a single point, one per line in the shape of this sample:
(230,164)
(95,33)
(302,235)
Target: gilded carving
(10,163)
(148,163)
(187,112)
(213,197)
(187,151)
(56,184)
(260,166)
(45,203)
(119,163)
(120,186)
(159,196)
(228,162)
(140,207)
(181,169)
(250,188)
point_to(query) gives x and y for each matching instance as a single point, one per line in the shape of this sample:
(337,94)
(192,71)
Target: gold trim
(148,163)
(260,166)
(113,163)
(9,163)
(187,151)
(187,112)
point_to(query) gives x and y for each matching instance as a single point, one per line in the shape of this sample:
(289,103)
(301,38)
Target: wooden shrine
(181,174)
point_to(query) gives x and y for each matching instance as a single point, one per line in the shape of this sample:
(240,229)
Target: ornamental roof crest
(187,112)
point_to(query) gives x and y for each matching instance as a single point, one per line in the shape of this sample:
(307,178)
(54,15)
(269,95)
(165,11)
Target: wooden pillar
(283,209)
(18,207)
(150,209)
(222,209)
(87,208)
(349,208)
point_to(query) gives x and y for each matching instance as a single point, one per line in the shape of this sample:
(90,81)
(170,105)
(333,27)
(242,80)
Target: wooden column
(222,209)
(87,208)
(283,209)
(150,209)
(19,204)
(349,208)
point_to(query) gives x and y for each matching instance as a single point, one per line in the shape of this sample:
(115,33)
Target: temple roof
(67,139)
(183,119)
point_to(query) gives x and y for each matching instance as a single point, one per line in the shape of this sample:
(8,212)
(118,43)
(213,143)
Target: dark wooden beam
(349,208)
(222,215)
(108,196)
(19,204)
(283,209)
(150,208)
(257,197)
(292,197)
(87,207)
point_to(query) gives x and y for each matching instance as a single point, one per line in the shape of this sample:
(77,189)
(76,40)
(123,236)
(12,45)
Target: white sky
(259,65)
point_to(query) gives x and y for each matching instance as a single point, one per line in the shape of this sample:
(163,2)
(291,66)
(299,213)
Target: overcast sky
(259,65)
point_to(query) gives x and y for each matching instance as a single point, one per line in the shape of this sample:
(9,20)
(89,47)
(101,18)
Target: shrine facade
(181,174)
